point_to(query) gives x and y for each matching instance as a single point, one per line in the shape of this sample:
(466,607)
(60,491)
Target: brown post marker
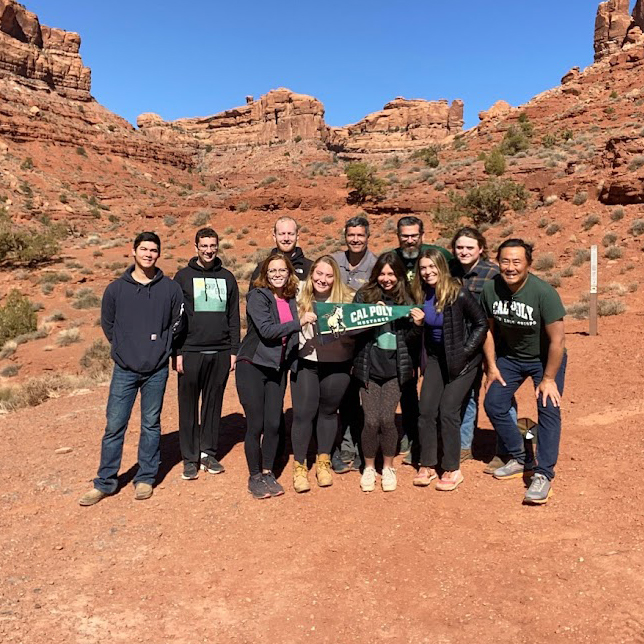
(592,313)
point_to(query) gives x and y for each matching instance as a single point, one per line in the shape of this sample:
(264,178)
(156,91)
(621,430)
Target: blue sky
(200,57)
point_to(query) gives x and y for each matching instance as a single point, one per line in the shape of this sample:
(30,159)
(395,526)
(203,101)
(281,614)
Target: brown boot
(323,470)
(300,477)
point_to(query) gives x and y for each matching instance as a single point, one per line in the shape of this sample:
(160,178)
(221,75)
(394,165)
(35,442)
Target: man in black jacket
(206,352)
(286,233)
(140,314)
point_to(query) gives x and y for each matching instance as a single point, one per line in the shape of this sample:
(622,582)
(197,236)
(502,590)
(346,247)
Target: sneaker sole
(367,489)
(303,491)
(538,501)
(510,476)
(389,488)
(189,478)
(205,469)
(325,484)
(259,498)
(448,488)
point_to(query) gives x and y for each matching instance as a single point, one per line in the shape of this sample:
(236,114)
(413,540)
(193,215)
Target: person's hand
(233,362)
(308,318)
(548,389)
(493,374)
(418,316)
(177,364)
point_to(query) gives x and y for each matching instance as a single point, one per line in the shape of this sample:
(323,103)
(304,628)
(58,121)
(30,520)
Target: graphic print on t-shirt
(209,294)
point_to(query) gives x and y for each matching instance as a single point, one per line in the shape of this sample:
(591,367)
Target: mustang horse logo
(335,322)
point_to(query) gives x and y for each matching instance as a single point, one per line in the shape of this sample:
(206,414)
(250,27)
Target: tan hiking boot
(323,470)
(466,455)
(92,497)
(142,491)
(494,465)
(300,477)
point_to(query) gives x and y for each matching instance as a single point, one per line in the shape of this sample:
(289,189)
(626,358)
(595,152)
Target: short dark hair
(147,237)
(473,233)
(206,232)
(410,221)
(357,221)
(516,243)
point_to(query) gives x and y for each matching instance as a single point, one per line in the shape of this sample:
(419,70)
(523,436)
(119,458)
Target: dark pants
(351,418)
(379,401)
(441,401)
(498,402)
(409,409)
(261,393)
(317,389)
(204,375)
(123,389)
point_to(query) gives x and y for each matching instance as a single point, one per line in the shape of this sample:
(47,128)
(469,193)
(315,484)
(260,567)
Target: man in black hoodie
(285,233)
(141,313)
(206,352)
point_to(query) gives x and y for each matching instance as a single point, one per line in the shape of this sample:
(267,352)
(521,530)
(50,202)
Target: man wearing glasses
(206,353)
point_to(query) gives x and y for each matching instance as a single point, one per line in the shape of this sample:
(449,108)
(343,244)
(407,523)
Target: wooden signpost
(592,313)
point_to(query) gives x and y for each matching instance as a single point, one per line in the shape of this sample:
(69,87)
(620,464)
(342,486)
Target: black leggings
(261,393)
(317,388)
(379,401)
(441,398)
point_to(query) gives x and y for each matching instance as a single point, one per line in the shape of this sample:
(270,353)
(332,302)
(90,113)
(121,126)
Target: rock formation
(401,124)
(42,54)
(615,27)
(500,109)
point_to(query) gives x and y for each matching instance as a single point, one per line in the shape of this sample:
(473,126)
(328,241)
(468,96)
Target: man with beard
(286,233)
(410,239)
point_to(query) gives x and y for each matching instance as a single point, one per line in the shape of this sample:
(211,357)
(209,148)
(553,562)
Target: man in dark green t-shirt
(526,339)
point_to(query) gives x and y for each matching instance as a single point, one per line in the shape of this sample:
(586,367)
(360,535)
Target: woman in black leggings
(383,365)
(265,355)
(322,376)
(454,328)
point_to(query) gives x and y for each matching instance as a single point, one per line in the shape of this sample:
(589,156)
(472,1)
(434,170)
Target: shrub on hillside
(363,183)
(486,203)
(428,155)
(495,163)
(17,317)
(97,360)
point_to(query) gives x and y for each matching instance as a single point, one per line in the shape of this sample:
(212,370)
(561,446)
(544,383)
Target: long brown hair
(372,292)
(340,292)
(292,284)
(447,287)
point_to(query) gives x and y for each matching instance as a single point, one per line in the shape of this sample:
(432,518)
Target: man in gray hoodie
(141,313)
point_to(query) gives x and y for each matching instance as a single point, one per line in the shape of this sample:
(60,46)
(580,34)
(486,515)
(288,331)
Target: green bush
(495,163)
(580,198)
(97,360)
(582,255)
(428,155)
(609,239)
(549,141)
(590,221)
(613,252)
(446,217)
(85,298)
(17,316)
(363,183)
(544,262)
(487,202)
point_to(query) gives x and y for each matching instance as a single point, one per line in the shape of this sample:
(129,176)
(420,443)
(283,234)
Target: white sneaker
(368,479)
(389,480)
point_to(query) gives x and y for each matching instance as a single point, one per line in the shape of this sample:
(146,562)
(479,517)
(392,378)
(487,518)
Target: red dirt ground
(202,561)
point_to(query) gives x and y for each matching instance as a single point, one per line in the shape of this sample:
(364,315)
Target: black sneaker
(356,466)
(274,488)
(211,465)
(190,472)
(338,463)
(257,487)
(347,457)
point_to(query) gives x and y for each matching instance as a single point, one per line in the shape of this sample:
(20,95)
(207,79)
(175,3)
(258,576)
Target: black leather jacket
(464,329)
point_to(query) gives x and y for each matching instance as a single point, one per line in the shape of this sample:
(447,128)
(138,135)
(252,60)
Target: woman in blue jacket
(266,353)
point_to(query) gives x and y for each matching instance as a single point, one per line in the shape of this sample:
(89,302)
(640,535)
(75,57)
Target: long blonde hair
(447,287)
(340,292)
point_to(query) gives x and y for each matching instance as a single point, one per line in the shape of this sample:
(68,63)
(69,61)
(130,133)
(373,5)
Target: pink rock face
(611,25)
(39,53)
(498,110)
(638,14)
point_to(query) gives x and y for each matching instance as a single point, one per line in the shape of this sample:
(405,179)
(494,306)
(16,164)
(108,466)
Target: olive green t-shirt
(520,318)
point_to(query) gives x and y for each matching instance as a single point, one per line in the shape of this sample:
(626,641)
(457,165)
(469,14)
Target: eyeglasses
(277,271)
(210,247)
(416,236)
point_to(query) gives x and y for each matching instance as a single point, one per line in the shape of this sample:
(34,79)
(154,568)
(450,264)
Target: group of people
(465,316)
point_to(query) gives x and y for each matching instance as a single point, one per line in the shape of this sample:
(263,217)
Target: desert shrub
(609,239)
(514,141)
(428,155)
(613,252)
(56,316)
(252,242)
(37,390)
(17,317)
(580,198)
(569,271)
(97,360)
(10,371)
(544,262)
(363,183)
(578,310)
(242,206)
(582,255)
(486,203)
(610,307)
(549,141)
(327,219)
(445,216)
(636,163)
(590,221)
(554,280)
(549,200)
(85,298)
(542,223)
(68,336)
(553,228)
(229,230)
(226,245)
(267,181)
(617,214)
(506,232)
(201,218)
(54,277)
(169,221)
(637,227)
(439,186)
(495,163)
(80,150)
(25,246)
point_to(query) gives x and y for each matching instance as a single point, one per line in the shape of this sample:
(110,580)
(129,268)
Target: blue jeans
(498,402)
(123,389)
(471,413)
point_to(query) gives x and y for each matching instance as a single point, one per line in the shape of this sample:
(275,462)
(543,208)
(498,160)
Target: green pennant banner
(337,319)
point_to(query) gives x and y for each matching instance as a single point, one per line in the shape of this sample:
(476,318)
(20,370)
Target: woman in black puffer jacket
(454,327)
